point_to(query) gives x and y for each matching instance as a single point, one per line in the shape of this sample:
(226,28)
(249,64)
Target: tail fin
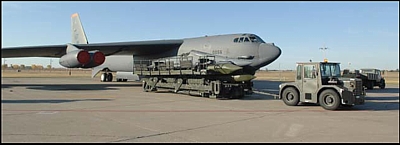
(78,34)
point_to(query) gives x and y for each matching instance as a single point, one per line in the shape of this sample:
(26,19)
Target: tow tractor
(321,83)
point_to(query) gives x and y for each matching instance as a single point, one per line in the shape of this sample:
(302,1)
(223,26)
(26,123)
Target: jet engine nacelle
(96,58)
(82,59)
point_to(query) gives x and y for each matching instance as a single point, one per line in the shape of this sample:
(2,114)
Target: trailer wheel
(382,84)
(329,100)
(290,96)
(145,86)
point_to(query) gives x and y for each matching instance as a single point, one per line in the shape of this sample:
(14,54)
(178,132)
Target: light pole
(4,62)
(349,65)
(323,50)
(280,78)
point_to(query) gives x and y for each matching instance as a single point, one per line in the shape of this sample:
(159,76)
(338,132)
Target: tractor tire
(382,84)
(290,96)
(329,100)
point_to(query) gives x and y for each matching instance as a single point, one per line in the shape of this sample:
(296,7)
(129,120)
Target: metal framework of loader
(180,74)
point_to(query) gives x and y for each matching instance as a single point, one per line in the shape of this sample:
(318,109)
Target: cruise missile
(225,68)
(240,78)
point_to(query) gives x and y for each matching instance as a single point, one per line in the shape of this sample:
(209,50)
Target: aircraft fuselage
(235,47)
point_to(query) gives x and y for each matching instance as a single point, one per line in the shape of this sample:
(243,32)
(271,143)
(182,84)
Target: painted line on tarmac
(47,112)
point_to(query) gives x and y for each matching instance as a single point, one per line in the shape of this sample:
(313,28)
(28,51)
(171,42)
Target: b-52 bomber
(219,66)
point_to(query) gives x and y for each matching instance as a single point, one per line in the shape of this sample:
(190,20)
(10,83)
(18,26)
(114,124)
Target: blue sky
(364,34)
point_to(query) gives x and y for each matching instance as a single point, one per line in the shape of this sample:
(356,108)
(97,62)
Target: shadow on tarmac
(50,101)
(386,90)
(372,103)
(70,87)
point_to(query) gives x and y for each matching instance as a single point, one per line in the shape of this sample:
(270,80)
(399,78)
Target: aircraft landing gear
(106,77)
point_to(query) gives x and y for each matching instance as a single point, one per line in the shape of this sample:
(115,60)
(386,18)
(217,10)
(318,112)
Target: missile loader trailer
(199,75)
(321,83)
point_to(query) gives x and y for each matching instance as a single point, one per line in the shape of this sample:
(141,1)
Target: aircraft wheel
(290,96)
(124,80)
(329,100)
(202,94)
(109,77)
(145,86)
(103,77)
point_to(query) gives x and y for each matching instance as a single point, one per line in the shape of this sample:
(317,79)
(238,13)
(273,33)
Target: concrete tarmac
(86,110)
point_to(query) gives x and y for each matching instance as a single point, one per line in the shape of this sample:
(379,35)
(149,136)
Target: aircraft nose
(268,53)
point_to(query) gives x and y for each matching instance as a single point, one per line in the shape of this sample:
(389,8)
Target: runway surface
(86,110)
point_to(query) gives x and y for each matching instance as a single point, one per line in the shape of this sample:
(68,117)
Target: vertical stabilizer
(78,34)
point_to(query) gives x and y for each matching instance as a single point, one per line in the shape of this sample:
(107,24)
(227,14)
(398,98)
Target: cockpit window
(251,38)
(258,39)
(241,39)
(246,39)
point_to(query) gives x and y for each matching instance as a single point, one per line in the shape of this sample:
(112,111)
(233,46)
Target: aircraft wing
(129,48)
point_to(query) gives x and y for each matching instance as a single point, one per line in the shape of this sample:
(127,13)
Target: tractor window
(298,77)
(330,70)
(309,71)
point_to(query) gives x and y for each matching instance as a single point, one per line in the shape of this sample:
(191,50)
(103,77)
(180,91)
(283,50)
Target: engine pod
(75,59)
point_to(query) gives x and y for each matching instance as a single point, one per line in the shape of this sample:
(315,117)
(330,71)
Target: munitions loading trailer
(201,76)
